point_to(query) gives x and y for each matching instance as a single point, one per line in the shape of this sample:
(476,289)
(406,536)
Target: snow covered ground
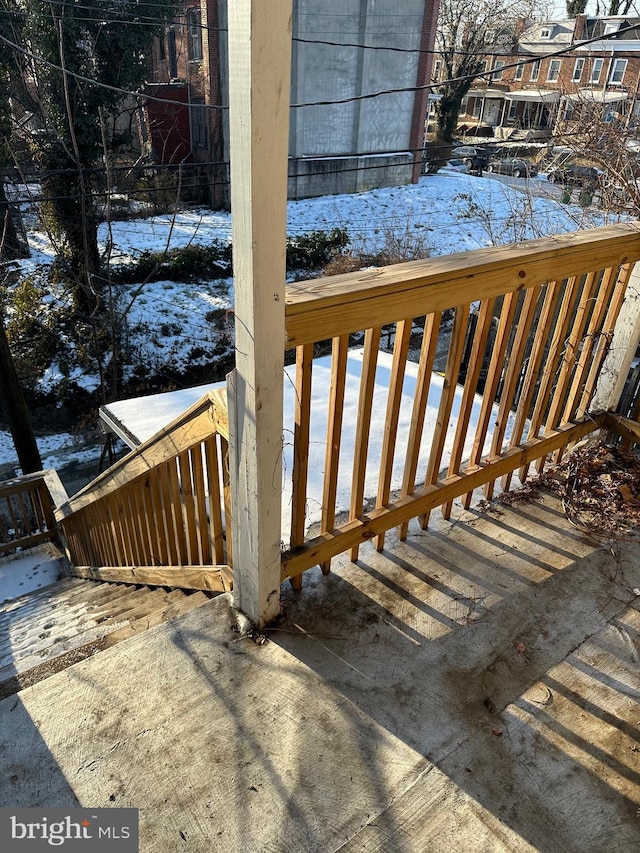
(448,212)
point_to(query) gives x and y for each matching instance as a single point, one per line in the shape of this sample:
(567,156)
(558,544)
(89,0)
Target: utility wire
(483,75)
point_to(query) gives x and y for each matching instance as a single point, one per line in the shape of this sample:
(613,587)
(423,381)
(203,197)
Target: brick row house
(341,139)
(556,71)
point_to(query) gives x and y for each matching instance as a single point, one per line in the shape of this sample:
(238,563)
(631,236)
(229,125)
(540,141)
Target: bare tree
(469,30)
(604,135)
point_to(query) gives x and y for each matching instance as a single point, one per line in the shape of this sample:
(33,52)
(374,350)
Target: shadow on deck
(473,688)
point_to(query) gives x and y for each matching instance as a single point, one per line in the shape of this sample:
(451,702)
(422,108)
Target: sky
(448,212)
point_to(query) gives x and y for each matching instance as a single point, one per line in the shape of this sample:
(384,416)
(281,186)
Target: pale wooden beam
(624,344)
(259,94)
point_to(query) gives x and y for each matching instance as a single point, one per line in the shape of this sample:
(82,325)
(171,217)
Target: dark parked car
(513,166)
(472,156)
(583,176)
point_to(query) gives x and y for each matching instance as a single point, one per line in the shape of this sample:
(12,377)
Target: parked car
(583,176)
(513,166)
(472,156)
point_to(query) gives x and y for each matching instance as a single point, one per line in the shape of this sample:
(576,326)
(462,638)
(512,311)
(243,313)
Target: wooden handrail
(553,305)
(320,309)
(206,416)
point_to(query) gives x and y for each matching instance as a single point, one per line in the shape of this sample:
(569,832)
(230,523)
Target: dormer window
(545,33)
(611,27)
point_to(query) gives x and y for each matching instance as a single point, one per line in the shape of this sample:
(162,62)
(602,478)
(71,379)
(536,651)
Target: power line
(486,75)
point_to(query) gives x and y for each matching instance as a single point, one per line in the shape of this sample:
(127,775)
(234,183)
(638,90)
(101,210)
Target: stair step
(180,603)
(74,617)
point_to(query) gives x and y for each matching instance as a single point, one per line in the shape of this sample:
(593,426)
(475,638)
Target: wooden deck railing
(555,302)
(26,510)
(162,514)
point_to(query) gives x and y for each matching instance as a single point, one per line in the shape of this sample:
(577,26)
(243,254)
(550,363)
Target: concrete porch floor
(473,689)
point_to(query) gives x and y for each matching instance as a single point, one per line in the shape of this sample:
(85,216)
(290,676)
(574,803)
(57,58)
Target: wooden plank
(202,522)
(426,498)
(28,541)
(416,427)
(209,578)
(216,539)
(624,427)
(512,374)
(188,508)
(533,368)
(301,428)
(147,526)
(363,424)
(554,359)
(340,351)
(494,373)
(602,297)
(168,524)
(450,384)
(478,348)
(157,519)
(561,400)
(394,399)
(228,506)
(603,344)
(325,308)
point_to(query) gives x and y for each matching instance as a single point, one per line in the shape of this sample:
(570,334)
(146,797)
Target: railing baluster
(514,367)
(552,363)
(216,538)
(569,358)
(536,356)
(340,350)
(416,428)
(394,399)
(604,339)
(188,508)
(204,555)
(476,359)
(452,371)
(363,425)
(496,365)
(301,418)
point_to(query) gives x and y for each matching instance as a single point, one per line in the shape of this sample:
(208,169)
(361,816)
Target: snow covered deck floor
(474,688)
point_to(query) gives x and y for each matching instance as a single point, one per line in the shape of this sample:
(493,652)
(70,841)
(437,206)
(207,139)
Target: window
(618,68)
(611,27)
(198,124)
(483,66)
(554,71)
(477,105)
(497,69)
(162,54)
(519,71)
(577,70)
(535,70)
(596,70)
(173,55)
(545,33)
(194,35)
(437,65)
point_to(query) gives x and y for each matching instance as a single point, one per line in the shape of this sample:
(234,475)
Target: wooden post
(626,338)
(259,96)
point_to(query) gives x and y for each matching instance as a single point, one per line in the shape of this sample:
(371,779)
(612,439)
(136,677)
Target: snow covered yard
(170,322)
